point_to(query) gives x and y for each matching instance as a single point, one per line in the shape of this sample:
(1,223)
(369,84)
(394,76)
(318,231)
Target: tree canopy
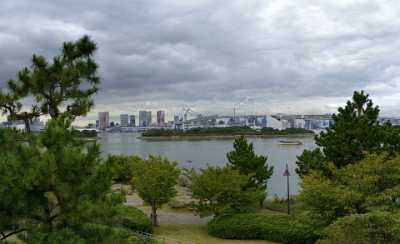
(54,187)
(247,162)
(220,191)
(61,87)
(355,132)
(155,179)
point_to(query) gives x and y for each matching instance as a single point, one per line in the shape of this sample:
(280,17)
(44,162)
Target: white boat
(290,142)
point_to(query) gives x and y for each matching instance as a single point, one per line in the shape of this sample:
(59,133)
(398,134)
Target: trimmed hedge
(279,228)
(102,234)
(133,219)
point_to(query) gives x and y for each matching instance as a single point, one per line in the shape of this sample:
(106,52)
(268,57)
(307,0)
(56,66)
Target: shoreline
(218,137)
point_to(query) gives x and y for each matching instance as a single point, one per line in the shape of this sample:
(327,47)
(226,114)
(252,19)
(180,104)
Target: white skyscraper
(104,120)
(124,119)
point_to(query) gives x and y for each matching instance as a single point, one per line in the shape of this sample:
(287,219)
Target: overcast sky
(290,56)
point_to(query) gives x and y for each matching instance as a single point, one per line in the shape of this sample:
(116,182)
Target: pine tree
(68,81)
(247,162)
(355,132)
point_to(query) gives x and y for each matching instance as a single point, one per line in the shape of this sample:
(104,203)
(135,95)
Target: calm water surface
(199,153)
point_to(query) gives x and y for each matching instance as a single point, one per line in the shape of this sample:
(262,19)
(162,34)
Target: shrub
(133,219)
(279,228)
(123,167)
(97,233)
(373,227)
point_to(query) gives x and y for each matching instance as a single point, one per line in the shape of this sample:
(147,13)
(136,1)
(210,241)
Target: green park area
(57,188)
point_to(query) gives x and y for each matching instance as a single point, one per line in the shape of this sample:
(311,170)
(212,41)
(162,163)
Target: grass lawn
(194,234)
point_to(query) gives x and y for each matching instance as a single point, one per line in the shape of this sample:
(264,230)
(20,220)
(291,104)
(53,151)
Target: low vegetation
(227,131)
(279,228)
(133,219)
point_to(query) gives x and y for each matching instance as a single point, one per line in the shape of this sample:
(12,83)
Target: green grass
(194,234)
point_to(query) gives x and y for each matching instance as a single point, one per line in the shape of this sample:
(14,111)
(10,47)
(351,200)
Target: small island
(223,133)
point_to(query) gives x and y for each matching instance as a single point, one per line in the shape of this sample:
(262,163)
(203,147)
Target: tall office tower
(148,118)
(144,118)
(160,118)
(104,120)
(124,119)
(132,120)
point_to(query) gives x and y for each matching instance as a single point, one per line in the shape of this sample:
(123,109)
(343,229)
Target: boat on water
(290,142)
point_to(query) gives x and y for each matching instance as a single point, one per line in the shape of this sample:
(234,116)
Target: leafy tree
(155,179)
(68,81)
(374,227)
(312,160)
(247,162)
(369,185)
(220,190)
(355,131)
(123,167)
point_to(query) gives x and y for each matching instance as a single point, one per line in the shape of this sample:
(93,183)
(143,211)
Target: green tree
(52,183)
(220,190)
(375,227)
(247,162)
(123,167)
(68,81)
(312,160)
(355,131)
(369,185)
(155,179)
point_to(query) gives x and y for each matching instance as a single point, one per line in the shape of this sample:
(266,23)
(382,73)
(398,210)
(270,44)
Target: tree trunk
(154,214)
(27,125)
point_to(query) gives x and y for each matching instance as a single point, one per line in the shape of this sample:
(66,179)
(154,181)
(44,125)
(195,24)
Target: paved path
(168,217)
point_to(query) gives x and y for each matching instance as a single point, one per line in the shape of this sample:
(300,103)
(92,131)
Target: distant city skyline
(288,56)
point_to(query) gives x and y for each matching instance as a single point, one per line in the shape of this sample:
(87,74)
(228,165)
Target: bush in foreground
(133,219)
(279,228)
(373,227)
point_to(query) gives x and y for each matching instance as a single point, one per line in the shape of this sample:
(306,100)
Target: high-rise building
(160,118)
(124,119)
(144,118)
(132,120)
(104,120)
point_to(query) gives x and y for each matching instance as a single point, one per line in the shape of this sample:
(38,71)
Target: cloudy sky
(302,56)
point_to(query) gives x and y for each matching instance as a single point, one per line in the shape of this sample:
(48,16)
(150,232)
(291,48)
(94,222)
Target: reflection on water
(199,153)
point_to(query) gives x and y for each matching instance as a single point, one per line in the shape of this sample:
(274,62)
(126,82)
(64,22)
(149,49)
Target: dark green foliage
(371,184)
(86,133)
(247,162)
(88,234)
(374,227)
(133,219)
(312,160)
(355,132)
(279,228)
(201,131)
(123,167)
(60,82)
(221,190)
(52,182)
(69,81)
(223,131)
(287,131)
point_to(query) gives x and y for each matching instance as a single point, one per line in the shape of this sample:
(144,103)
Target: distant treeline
(85,133)
(223,131)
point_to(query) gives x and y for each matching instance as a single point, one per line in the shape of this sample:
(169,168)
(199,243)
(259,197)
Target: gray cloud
(291,56)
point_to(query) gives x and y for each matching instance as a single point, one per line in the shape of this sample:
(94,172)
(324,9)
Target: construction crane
(240,103)
(185,112)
